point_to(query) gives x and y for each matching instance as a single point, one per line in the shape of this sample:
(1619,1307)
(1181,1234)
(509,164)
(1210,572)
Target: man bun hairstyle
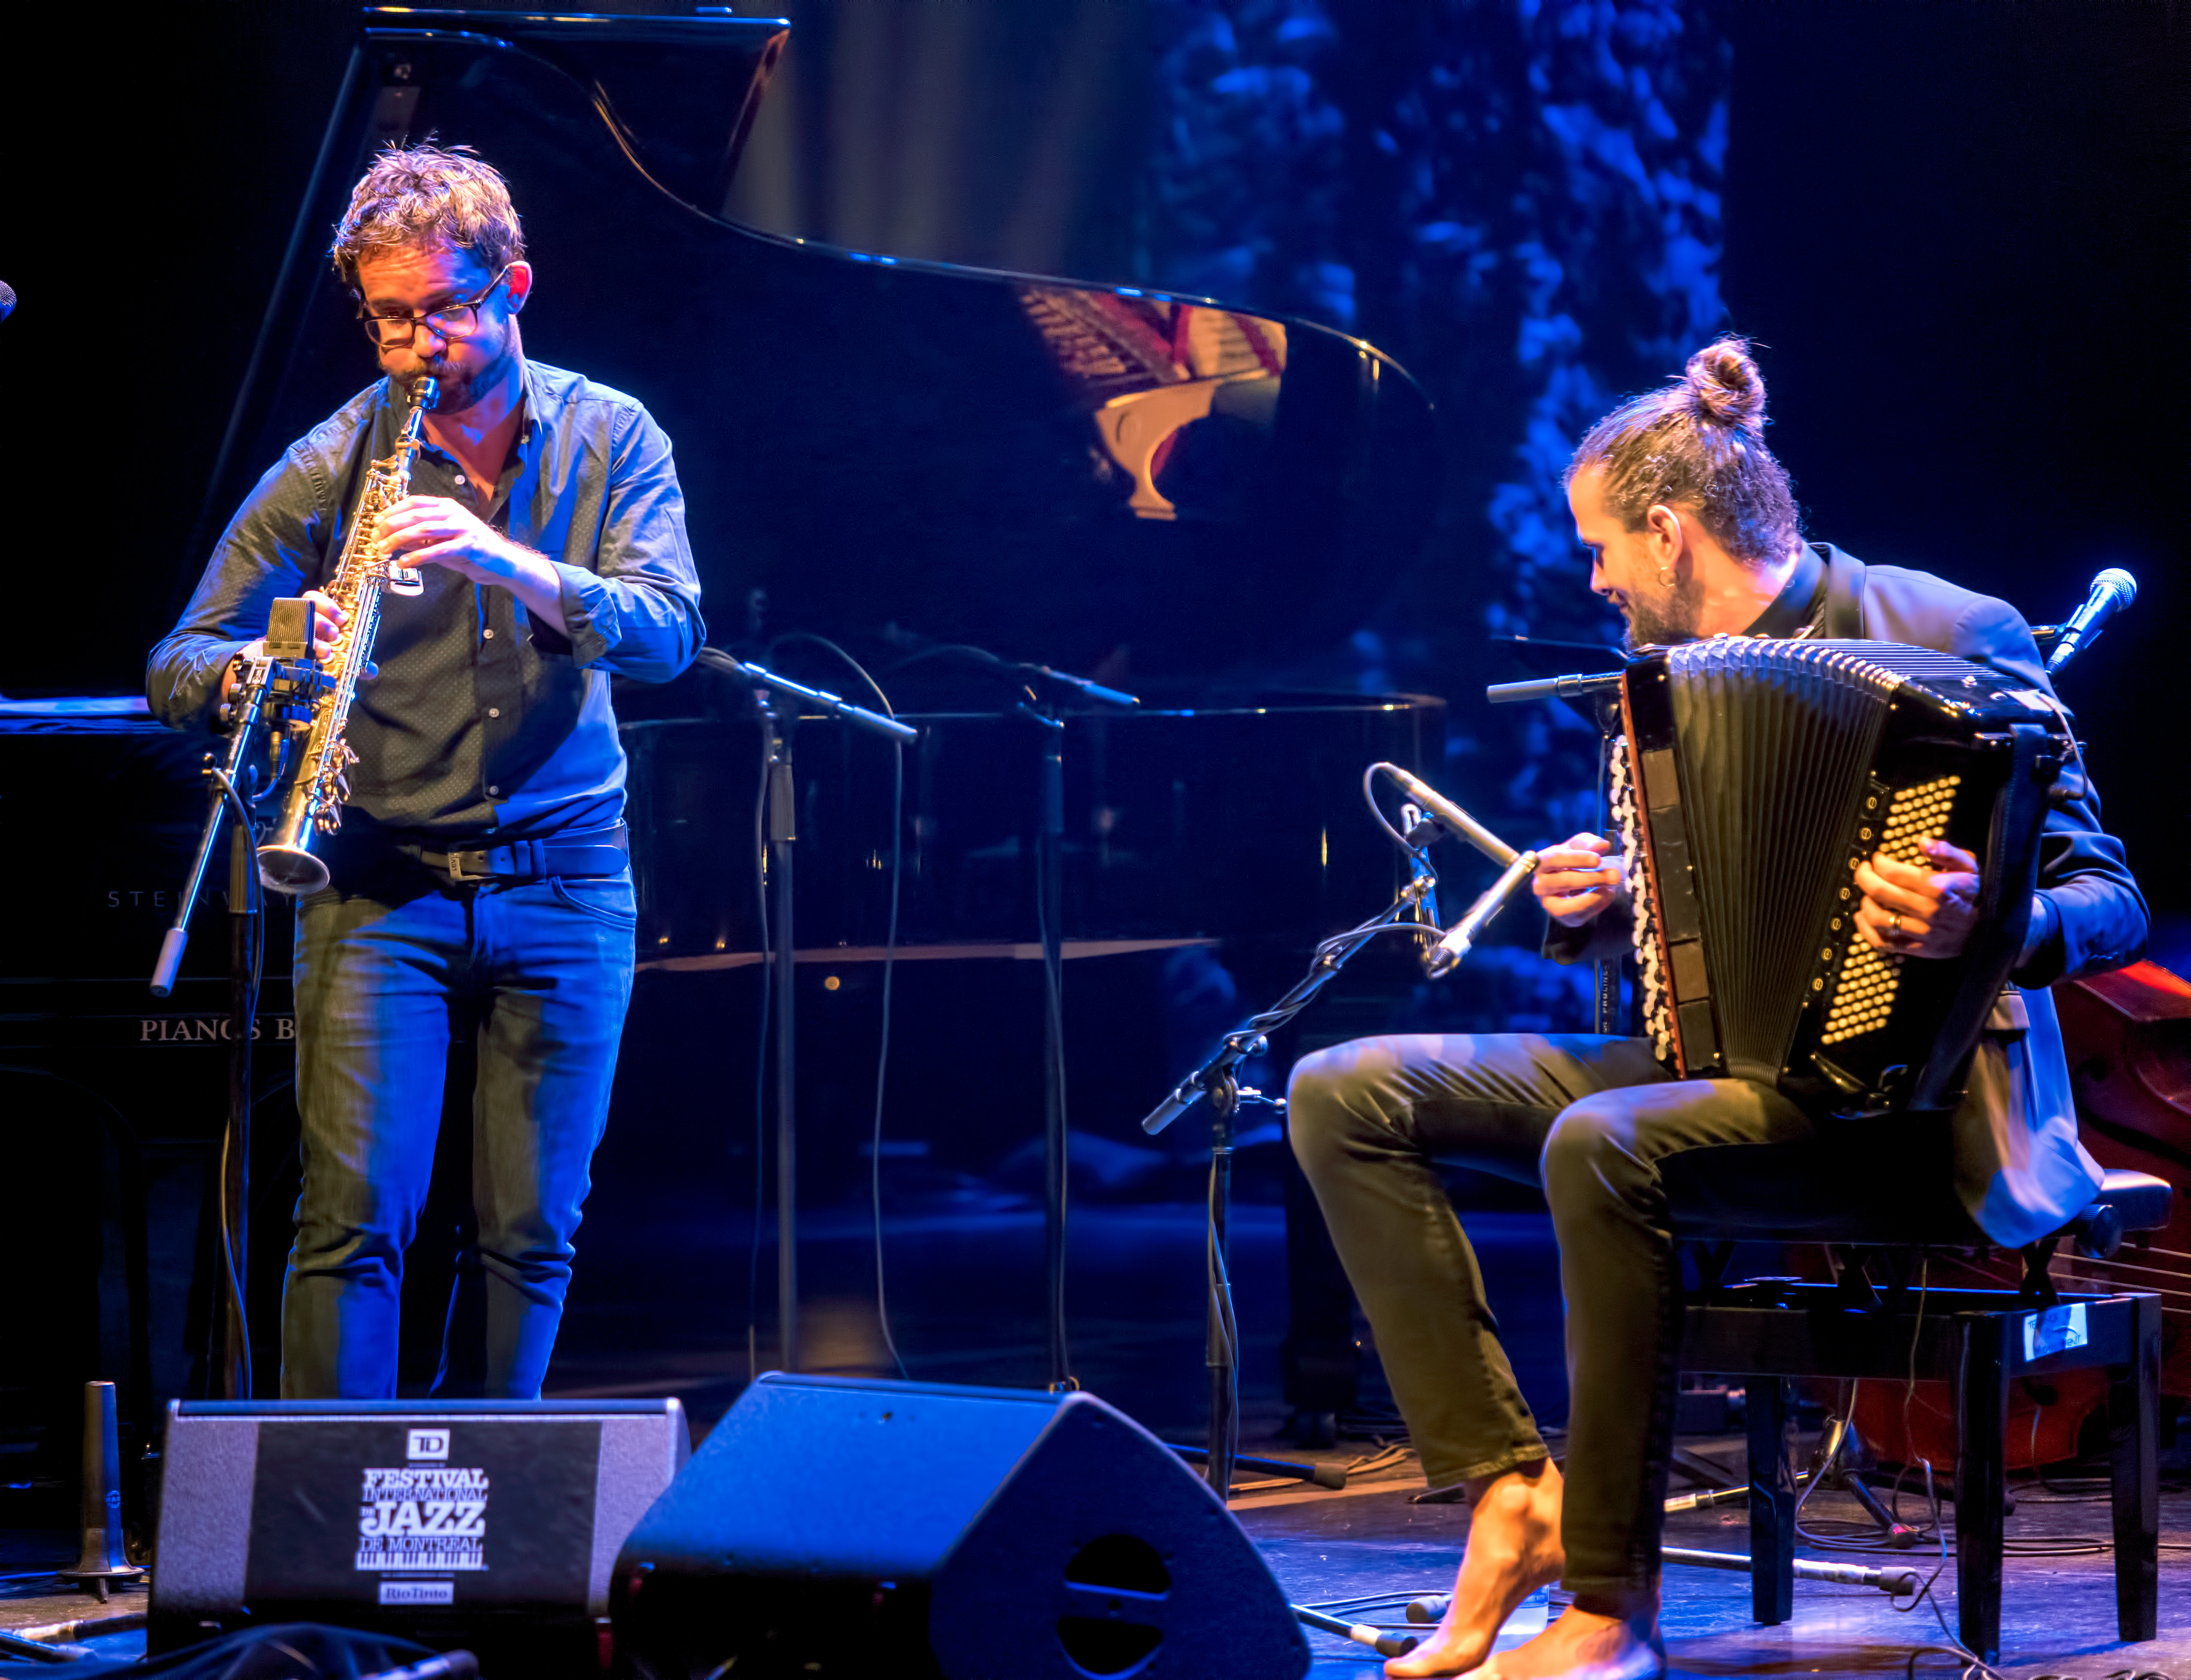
(418,197)
(1698,442)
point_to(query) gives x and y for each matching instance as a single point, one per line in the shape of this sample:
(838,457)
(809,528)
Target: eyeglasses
(457,319)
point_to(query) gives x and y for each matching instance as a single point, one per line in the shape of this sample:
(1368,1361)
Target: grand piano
(896,457)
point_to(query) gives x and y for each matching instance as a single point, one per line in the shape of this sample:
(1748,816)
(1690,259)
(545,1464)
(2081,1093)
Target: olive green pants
(1619,1148)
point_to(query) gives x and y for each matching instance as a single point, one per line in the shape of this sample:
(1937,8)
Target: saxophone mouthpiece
(427,392)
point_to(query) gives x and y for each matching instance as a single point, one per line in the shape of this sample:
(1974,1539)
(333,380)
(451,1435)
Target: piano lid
(1052,468)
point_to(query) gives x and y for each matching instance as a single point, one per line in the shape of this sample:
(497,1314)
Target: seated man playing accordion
(1692,531)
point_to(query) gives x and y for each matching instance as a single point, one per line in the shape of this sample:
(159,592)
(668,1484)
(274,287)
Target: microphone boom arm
(829,704)
(1215,1078)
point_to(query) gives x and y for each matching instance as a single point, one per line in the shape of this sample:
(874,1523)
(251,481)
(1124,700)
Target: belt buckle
(456,862)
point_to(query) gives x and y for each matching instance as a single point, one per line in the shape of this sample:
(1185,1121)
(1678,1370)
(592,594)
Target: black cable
(1228,1328)
(858,669)
(1862,1536)
(1421,930)
(890,969)
(1049,858)
(256,895)
(882,1051)
(1370,794)
(254,907)
(760,1073)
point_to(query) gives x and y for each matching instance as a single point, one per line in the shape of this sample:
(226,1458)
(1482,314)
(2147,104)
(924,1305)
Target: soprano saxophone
(313,804)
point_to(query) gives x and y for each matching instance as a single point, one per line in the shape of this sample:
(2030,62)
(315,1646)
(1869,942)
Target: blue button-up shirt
(483,721)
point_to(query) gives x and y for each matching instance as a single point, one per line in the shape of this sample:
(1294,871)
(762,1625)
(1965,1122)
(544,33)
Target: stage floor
(2058,1617)
(667,1317)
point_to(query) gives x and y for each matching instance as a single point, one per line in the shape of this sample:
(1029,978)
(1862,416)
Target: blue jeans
(389,970)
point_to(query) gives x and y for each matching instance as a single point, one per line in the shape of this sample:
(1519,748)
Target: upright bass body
(313,804)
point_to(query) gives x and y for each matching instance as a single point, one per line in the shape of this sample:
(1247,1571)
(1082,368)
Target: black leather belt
(591,851)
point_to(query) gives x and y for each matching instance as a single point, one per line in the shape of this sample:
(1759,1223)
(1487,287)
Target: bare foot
(1597,1639)
(1513,1549)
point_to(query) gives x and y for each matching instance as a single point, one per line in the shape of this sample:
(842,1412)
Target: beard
(1668,617)
(460,387)
(463,385)
(455,395)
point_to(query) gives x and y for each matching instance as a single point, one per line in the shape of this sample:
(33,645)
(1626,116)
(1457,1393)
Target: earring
(1666,578)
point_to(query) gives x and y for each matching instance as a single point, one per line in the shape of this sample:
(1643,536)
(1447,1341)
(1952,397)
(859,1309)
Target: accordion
(1754,777)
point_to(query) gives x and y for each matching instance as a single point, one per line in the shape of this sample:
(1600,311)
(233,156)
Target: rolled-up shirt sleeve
(272,548)
(635,611)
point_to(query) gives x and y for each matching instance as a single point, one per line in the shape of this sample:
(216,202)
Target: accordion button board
(1767,773)
(1863,994)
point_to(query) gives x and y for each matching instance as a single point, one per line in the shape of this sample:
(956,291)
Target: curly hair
(423,195)
(1699,441)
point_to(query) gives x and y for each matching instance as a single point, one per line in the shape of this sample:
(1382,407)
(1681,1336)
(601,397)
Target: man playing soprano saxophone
(481,882)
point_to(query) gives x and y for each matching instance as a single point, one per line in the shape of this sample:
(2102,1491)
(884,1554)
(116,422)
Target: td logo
(428,1443)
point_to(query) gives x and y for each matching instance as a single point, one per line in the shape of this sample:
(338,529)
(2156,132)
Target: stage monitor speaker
(837,1527)
(491,1524)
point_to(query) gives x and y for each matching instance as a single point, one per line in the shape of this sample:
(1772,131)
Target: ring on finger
(1894,922)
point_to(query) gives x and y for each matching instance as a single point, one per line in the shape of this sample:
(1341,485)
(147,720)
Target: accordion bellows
(1754,777)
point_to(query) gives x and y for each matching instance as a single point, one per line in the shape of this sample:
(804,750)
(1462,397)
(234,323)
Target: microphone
(2112,591)
(1450,814)
(1573,687)
(833,705)
(1444,957)
(7,300)
(1087,690)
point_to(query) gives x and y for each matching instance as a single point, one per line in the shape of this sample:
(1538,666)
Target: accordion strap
(2019,814)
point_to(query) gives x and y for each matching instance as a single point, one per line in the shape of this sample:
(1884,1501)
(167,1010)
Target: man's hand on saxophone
(434,530)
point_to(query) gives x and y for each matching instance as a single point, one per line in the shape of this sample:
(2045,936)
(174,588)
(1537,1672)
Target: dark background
(1962,230)
(1959,230)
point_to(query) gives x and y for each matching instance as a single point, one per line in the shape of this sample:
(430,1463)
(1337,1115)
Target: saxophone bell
(290,870)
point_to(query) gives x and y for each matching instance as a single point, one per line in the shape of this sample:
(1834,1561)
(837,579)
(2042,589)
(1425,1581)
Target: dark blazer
(2019,1169)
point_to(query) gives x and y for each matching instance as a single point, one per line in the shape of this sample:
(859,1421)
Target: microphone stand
(1218,1079)
(1415,909)
(780,722)
(282,679)
(1050,916)
(1042,687)
(1042,691)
